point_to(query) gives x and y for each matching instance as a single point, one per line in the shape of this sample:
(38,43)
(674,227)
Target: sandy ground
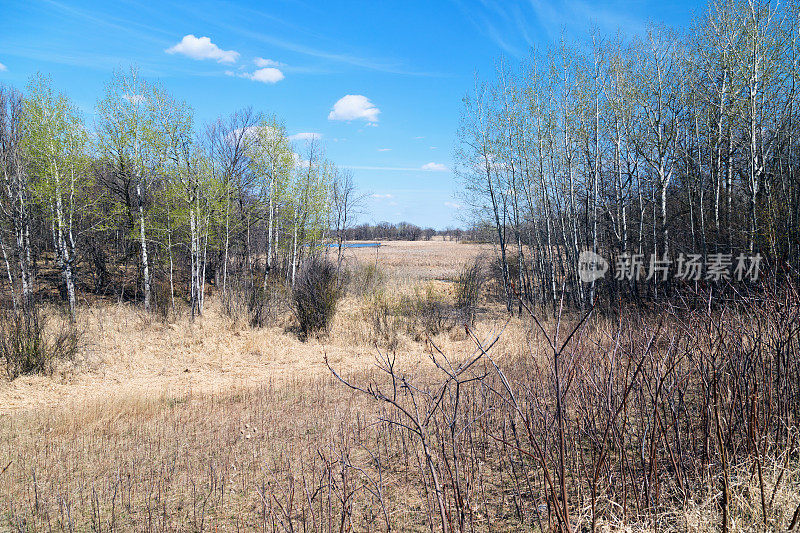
(127,352)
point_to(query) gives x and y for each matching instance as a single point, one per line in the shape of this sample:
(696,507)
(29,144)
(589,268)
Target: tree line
(650,148)
(402,231)
(147,205)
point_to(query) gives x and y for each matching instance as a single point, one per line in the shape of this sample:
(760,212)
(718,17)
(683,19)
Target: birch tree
(16,200)
(130,140)
(55,141)
(271,162)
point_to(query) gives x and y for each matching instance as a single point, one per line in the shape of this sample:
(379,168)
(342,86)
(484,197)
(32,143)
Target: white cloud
(354,106)
(382,196)
(203,48)
(265,75)
(3,68)
(434,147)
(263,63)
(434,167)
(384,149)
(453,205)
(305,136)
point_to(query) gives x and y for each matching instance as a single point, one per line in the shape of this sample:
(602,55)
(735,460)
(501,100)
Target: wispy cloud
(578,16)
(509,25)
(265,75)
(354,107)
(202,48)
(453,205)
(260,62)
(305,136)
(3,68)
(434,167)
(493,20)
(382,196)
(380,65)
(384,149)
(120,24)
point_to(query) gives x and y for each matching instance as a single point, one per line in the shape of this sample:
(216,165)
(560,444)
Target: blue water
(355,245)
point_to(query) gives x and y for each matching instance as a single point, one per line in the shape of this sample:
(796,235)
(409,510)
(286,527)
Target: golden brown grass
(127,351)
(409,262)
(214,426)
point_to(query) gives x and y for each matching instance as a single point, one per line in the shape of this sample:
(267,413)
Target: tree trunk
(143,244)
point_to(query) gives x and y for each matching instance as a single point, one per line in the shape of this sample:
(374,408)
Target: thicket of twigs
(315,295)
(679,420)
(29,346)
(629,423)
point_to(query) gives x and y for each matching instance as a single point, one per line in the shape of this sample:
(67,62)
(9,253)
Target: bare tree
(346,205)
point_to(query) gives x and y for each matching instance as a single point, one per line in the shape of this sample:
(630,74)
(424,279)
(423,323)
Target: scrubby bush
(163,300)
(382,316)
(426,313)
(28,347)
(365,280)
(315,295)
(495,274)
(468,286)
(268,303)
(257,304)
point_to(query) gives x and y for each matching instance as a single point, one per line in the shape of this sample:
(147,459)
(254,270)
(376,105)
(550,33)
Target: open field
(128,352)
(413,261)
(173,425)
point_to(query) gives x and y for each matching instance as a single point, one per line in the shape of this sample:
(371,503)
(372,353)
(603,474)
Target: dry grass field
(414,261)
(210,425)
(127,352)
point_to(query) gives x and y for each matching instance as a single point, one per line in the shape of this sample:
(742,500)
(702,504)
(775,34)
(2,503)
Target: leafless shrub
(382,316)
(28,346)
(426,313)
(257,304)
(164,305)
(495,274)
(468,286)
(614,422)
(365,279)
(421,315)
(315,295)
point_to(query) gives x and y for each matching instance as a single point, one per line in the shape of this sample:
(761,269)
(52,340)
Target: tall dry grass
(683,419)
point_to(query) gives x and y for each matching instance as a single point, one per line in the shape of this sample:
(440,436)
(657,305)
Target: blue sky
(405,64)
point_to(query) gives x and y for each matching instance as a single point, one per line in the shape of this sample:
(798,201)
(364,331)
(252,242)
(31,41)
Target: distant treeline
(403,231)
